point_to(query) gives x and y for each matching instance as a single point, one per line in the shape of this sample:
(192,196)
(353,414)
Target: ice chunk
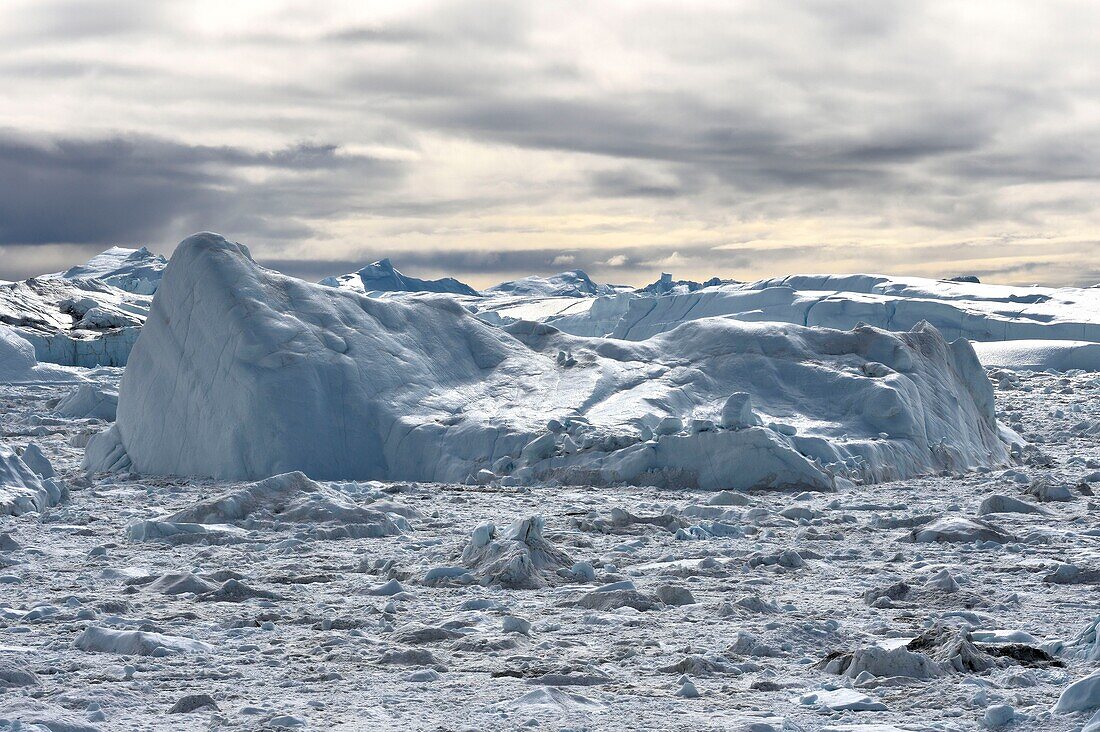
(22,490)
(1080,696)
(290,498)
(517,558)
(959,530)
(95,639)
(843,700)
(879,661)
(737,412)
(88,400)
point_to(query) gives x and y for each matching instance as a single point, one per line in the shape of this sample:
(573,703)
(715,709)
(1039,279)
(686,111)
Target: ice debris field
(848,502)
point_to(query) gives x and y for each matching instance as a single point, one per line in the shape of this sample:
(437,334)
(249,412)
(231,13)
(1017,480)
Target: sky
(488,140)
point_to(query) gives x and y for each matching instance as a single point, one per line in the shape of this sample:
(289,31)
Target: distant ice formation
(89,315)
(574,283)
(133,270)
(382,277)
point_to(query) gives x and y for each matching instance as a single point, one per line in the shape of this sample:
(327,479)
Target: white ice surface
(975,311)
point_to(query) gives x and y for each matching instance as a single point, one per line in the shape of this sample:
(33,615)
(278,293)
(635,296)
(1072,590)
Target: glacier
(243,373)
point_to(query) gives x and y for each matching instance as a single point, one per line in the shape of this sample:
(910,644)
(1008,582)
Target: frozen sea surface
(942,603)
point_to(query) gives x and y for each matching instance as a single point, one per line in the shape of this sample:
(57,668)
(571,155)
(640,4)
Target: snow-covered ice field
(738,519)
(295,613)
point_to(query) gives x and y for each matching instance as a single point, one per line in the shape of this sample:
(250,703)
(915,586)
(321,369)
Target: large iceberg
(243,373)
(19,364)
(381,276)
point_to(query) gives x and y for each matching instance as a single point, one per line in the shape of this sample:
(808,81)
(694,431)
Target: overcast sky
(491,139)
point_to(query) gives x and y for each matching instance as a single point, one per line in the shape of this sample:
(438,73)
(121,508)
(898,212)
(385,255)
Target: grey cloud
(861,115)
(141,189)
(79,19)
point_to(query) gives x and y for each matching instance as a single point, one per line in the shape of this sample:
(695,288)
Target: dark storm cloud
(140,189)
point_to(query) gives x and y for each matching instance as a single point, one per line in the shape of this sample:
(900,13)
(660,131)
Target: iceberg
(574,283)
(382,277)
(243,373)
(133,270)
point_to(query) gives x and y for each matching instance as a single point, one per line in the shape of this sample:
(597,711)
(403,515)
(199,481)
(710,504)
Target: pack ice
(243,373)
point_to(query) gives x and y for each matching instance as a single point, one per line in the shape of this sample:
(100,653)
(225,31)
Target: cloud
(141,189)
(854,134)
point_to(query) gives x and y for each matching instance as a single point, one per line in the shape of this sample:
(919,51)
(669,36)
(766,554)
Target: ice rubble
(381,276)
(244,373)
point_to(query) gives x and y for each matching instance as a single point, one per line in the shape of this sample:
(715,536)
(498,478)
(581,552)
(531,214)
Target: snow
(382,277)
(243,373)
